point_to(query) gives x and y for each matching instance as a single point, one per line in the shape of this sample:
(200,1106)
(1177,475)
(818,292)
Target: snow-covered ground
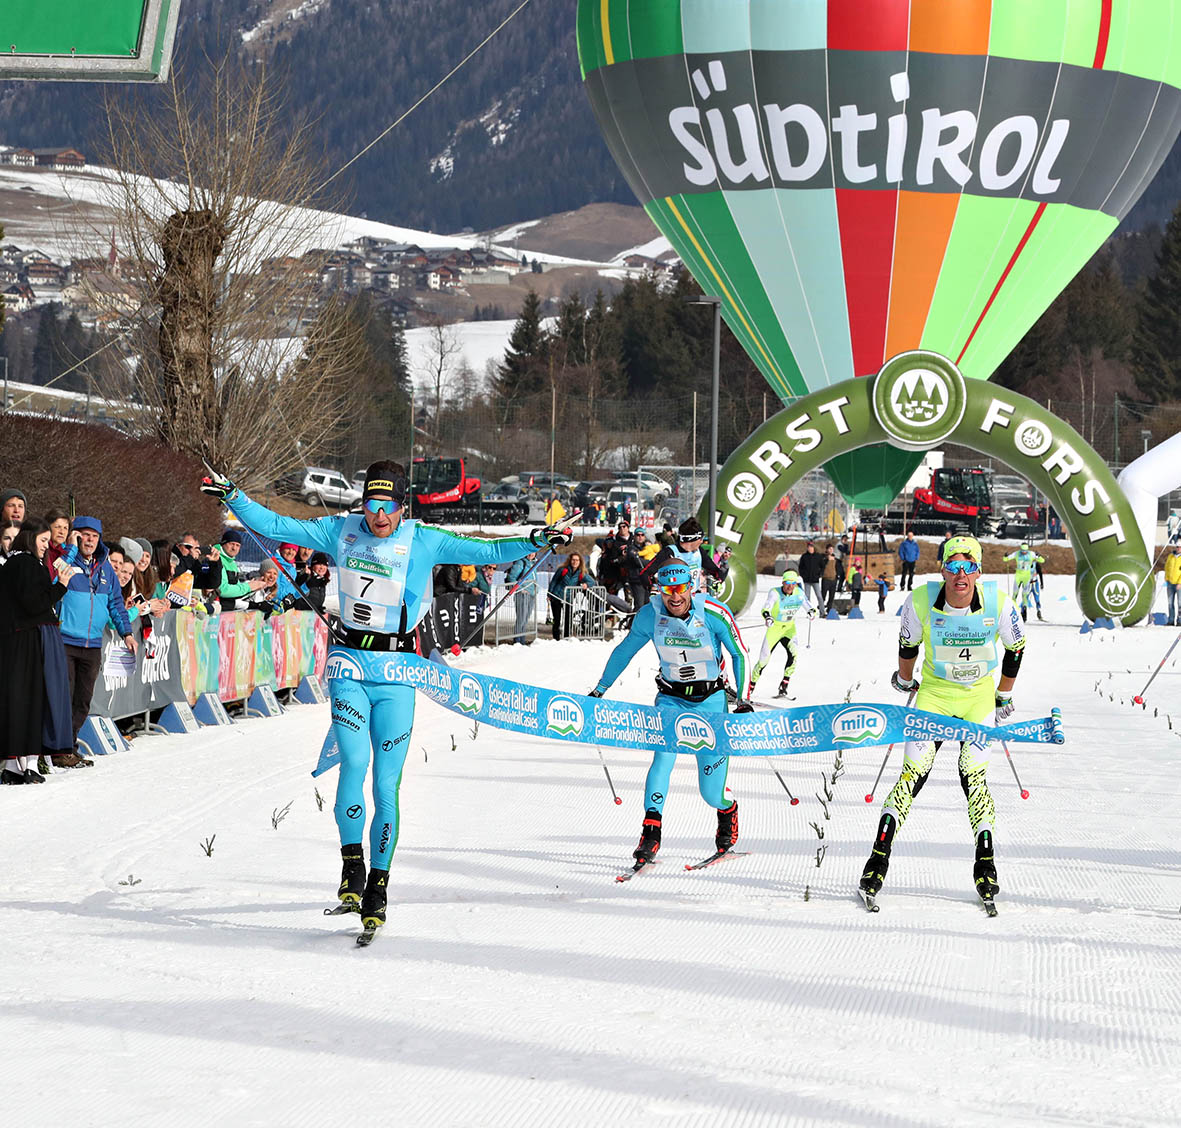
(518,984)
(475,343)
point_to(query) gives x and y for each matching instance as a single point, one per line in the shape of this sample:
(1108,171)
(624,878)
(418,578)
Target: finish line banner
(577,719)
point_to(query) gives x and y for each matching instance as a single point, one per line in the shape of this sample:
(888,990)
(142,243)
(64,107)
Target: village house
(20,158)
(65,160)
(18,298)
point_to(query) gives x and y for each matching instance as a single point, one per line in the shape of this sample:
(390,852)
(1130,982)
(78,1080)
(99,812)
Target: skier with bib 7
(690,632)
(384,565)
(784,603)
(956,622)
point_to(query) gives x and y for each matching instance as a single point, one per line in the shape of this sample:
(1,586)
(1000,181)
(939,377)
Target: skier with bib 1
(384,568)
(956,622)
(690,632)
(784,603)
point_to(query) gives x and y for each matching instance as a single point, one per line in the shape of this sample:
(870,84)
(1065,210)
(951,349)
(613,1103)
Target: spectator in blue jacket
(908,553)
(93,596)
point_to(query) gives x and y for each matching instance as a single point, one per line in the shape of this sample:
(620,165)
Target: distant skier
(1023,581)
(957,623)
(384,564)
(689,631)
(689,549)
(784,603)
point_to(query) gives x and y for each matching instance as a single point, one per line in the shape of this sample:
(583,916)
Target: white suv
(327,487)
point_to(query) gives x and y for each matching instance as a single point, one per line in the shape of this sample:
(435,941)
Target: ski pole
(457,647)
(1139,698)
(794,800)
(808,645)
(618,801)
(1024,793)
(869,797)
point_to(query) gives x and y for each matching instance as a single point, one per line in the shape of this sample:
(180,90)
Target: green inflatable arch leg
(918,401)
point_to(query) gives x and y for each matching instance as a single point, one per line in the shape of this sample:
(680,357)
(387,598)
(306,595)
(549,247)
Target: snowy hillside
(518,984)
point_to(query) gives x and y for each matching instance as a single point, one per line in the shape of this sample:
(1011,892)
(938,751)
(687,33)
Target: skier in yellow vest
(957,622)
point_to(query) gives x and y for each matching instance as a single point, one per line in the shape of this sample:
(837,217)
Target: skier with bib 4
(690,632)
(956,622)
(783,604)
(384,567)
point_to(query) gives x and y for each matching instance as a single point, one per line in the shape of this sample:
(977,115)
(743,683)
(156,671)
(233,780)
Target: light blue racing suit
(690,652)
(386,588)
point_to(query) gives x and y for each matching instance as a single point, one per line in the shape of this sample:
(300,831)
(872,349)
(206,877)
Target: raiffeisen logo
(471,694)
(694,733)
(858,725)
(564,717)
(919,397)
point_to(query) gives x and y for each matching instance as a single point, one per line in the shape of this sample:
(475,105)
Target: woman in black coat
(32,662)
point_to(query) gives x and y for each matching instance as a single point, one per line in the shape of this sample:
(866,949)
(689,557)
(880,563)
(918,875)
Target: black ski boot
(1024,615)
(782,691)
(879,857)
(984,871)
(373,900)
(649,837)
(727,828)
(352,874)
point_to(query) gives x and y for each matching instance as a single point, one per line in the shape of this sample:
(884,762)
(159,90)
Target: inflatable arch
(918,401)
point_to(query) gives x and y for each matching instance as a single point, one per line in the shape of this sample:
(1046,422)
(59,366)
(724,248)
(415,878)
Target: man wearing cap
(784,602)
(688,548)
(956,622)
(92,596)
(12,507)
(1023,582)
(690,632)
(384,566)
(232,586)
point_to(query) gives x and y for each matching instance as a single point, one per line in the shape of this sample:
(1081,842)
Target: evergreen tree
(525,370)
(46,348)
(1156,343)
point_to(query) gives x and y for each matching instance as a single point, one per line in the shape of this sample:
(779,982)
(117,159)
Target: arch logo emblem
(919,399)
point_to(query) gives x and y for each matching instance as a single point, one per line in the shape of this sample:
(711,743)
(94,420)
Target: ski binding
(365,938)
(989,906)
(342,908)
(870,901)
(640,865)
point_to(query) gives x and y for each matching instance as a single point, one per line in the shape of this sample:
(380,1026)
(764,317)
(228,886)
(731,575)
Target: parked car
(318,486)
(620,494)
(651,487)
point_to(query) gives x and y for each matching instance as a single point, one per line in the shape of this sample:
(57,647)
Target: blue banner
(576,719)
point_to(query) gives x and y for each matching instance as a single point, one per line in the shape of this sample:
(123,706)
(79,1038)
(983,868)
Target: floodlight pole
(707,300)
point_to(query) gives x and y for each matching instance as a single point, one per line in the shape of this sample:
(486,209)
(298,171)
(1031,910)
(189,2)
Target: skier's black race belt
(689,691)
(375,640)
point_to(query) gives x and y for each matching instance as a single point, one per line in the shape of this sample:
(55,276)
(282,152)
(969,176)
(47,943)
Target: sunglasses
(381,505)
(689,540)
(675,589)
(962,567)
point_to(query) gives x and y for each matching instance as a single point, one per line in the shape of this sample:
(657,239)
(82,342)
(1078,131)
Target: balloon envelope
(859,178)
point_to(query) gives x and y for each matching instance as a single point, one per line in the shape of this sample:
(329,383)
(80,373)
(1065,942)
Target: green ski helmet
(790,578)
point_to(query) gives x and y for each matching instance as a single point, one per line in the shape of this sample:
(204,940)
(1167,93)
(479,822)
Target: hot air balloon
(860,178)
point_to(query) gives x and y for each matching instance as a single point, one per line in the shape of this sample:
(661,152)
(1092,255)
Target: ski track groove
(517,983)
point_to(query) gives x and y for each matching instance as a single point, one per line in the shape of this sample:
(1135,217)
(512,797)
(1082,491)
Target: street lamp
(1146,435)
(706,300)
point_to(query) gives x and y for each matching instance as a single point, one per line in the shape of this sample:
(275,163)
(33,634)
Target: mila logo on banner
(694,733)
(564,717)
(471,695)
(858,725)
(341,666)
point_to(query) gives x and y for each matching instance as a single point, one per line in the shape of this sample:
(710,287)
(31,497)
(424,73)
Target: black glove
(767,617)
(903,686)
(595,693)
(288,602)
(216,486)
(744,707)
(552,535)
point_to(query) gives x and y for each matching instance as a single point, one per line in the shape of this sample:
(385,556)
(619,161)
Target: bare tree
(241,360)
(443,350)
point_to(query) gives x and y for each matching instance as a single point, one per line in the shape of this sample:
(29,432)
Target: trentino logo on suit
(694,733)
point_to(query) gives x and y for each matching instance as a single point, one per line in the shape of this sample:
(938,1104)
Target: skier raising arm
(689,632)
(384,564)
(956,622)
(784,603)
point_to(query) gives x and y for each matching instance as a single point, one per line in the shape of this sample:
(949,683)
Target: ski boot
(879,857)
(373,900)
(12,777)
(727,828)
(649,837)
(782,690)
(984,871)
(1040,617)
(1024,615)
(352,875)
